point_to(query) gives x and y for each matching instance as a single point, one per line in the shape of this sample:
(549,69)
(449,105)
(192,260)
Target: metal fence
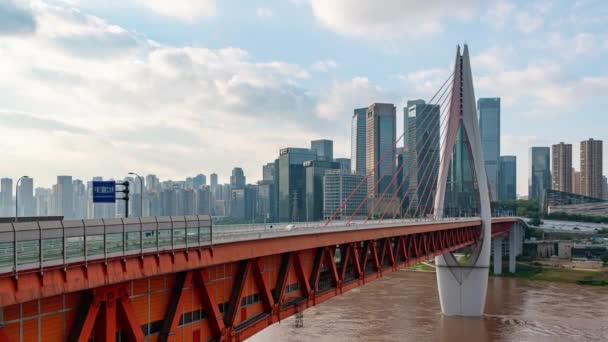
(41,244)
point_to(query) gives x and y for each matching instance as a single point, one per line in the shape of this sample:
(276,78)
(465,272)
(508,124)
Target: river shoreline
(543,273)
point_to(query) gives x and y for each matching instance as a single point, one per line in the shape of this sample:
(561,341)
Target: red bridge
(179,278)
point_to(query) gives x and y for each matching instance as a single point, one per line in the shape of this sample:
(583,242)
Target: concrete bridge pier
(497,250)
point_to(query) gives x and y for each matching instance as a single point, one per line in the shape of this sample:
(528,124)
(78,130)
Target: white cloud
(188,10)
(387,19)
(324,65)
(499,13)
(150,107)
(504,14)
(264,12)
(342,97)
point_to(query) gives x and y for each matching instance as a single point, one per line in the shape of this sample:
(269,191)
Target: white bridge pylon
(462,288)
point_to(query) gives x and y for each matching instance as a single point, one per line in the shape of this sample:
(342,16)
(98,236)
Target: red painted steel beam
(127,318)
(355,260)
(263,290)
(84,320)
(74,277)
(175,307)
(105,328)
(281,282)
(238,286)
(345,251)
(374,252)
(330,263)
(302,278)
(201,281)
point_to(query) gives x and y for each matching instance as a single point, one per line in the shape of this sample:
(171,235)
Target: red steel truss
(270,280)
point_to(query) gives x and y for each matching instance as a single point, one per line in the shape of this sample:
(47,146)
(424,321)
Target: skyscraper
(489,129)
(152,183)
(421,153)
(507,180)
(26,197)
(314,170)
(323,148)
(345,163)
(268,172)
(380,151)
(6,197)
(591,168)
(338,185)
(213,179)
(266,203)
(561,168)
(540,175)
(65,197)
(199,180)
(358,142)
(291,183)
(79,198)
(237,180)
(605,187)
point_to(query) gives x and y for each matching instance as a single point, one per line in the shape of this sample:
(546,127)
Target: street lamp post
(141,193)
(17,196)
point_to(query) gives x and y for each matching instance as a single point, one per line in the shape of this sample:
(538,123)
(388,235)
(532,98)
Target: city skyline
(117,126)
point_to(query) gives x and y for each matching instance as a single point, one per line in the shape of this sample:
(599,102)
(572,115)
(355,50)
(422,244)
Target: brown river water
(404,306)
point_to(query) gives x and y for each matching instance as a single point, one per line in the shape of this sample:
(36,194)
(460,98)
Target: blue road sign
(104,191)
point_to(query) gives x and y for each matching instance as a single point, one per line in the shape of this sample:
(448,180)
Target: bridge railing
(32,246)
(44,244)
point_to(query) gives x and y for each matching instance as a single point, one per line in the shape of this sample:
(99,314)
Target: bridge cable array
(440,121)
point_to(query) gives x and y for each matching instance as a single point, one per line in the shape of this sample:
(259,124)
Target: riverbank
(562,275)
(535,272)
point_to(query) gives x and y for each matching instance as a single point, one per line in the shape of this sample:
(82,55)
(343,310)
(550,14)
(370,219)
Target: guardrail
(43,244)
(27,246)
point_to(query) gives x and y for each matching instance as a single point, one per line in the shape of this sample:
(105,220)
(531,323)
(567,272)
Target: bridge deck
(48,244)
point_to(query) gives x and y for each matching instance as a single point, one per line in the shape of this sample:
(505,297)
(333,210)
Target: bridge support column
(497,244)
(512,248)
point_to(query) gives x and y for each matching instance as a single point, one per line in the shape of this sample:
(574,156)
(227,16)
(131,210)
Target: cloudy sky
(180,87)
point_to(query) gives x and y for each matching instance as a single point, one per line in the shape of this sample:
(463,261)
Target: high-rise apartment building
(152,183)
(561,168)
(42,197)
(421,154)
(507,178)
(6,197)
(25,190)
(237,180)
(65,197)
(199,180)
(605,187)
(489,129)
(79,198)
(358,142)
(323,148)
(576,181)
(591,168)
(540,175)
(380,150)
